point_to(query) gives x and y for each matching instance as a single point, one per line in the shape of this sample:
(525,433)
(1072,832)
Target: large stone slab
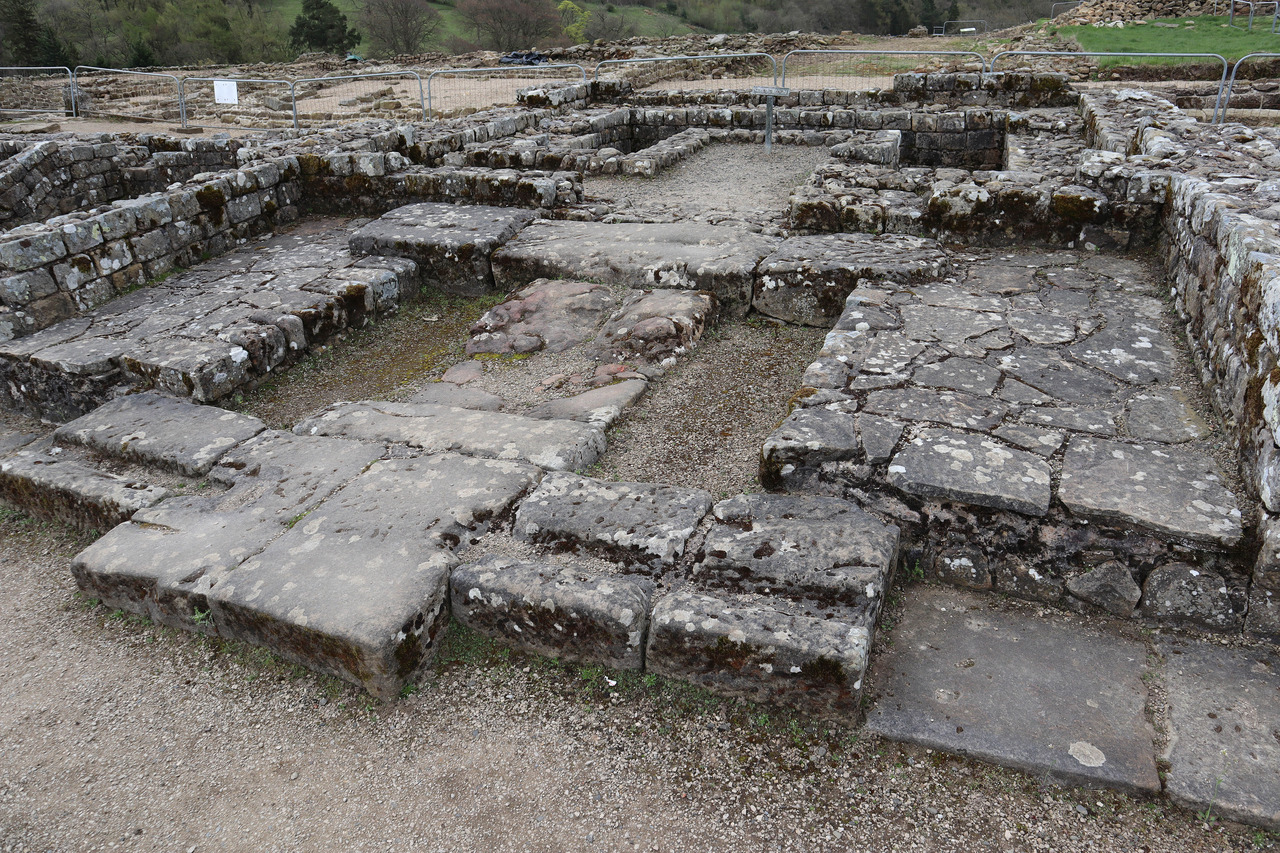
(641,523)
(656,325)
(807,279)
(1062,379)
(546,315)
(1054,700)
(599,407)
(358,586)
(974,469)
(557,445)
(156,429)
(451,243)
(166,561)
(826,548)
(953,408)
(62,489)
(795,454)
(715,258)
(1131,348)
(749,649)
(1169,490)
(1224,716)
(555,611)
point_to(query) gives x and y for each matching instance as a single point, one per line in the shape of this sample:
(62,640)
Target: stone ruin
(1051,372)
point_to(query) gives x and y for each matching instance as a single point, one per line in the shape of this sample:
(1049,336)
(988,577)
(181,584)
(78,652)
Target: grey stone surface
(1171,491)
(974,469)
(824,547)
(642,523)
(1163,415)
(719,259)
(556,445)
(952,408)
(1043,328)
(1131,348)
(747,648)
(958,374)
(598,406)
(656,325)
(1050,373)
(1072,418)
(1042,441)
(1189,595)
(1223,718)
(166,561)
(546,315)
(805,440)
(1053,699)
(807,279)
(156,429)
(555,611)
(451,243)
(1110,586)
(457,396)
(58,488)
(358,587)
(948,326)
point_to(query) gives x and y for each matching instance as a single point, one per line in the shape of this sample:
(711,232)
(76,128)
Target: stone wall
(51,177)
(1221,246)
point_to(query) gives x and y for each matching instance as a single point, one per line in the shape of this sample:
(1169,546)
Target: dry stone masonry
(1048,314)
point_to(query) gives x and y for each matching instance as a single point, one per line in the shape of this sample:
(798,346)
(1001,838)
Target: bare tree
(609,27)
(399,26)
(511,24)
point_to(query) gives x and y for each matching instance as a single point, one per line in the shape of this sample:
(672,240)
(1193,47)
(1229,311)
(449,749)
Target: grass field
(1193,35)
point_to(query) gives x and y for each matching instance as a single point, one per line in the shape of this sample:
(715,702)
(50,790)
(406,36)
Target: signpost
(769,92)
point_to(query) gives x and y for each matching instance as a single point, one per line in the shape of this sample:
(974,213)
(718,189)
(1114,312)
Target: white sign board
(224,92)
(771,91)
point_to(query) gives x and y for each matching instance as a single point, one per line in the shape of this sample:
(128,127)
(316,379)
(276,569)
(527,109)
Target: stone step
(719,259)
(206,332)
(556,445)
(54,485)
(451,244)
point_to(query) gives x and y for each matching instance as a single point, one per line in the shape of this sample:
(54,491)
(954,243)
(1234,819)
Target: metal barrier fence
(320,99)
(866,69)
(1222,81)
(128,94)
(38,89)
(1231,83)
(1053,10)
(1253,8)
(764,59)
(960,28)
(220,102)
(449,89)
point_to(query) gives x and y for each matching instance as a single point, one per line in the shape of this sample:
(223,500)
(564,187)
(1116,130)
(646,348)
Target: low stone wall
(51,177)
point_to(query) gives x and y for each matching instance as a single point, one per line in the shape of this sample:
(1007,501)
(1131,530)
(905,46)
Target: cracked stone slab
(1042,441)
(546,315)
(67,490)
(555,611)
(358,587)
(642,523)
(973,469)
(716,258)
(164,563)
(451,243)
(958,374)
(948,326)
(804,442)
(599,407)
(1163,415)
(1071,418)
(824,547)
(953,408)
(557,445)
(806,280)
(746,648)
(156,429)
(1172,491)
(1050,373)
(1133,349)
(1051,699)
(1043,328)
(1224,714)
(656,325)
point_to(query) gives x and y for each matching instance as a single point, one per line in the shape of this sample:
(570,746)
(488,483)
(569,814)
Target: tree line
(139,33)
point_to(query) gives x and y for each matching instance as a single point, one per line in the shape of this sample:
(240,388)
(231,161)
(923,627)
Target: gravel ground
(118,734)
